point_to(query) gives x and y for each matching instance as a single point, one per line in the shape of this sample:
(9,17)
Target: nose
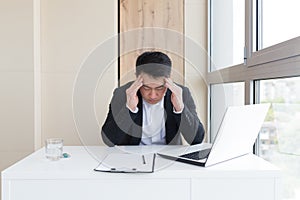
(153,94)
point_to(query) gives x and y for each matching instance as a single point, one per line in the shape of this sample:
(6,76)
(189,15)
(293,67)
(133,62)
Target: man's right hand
(131,93)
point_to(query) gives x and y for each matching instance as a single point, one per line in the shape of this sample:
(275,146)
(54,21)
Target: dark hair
(154,63)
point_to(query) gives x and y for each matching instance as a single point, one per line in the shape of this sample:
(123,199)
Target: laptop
(236,136)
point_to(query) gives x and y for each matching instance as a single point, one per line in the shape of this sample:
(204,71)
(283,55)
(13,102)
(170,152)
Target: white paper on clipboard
(127,163)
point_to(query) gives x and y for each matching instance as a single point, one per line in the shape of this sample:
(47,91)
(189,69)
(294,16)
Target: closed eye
(146,87)
(160,88)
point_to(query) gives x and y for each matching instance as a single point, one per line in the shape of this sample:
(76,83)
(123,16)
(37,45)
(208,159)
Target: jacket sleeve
(119,121)
(189,124)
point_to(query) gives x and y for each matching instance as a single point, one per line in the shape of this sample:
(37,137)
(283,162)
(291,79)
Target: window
(270,73)
(279,21)
(280,134)
(227,33)
(222,96)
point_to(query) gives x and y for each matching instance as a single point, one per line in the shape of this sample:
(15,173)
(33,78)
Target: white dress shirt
(153,130)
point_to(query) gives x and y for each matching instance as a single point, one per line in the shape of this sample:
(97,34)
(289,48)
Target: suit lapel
(139,121)
(169,122)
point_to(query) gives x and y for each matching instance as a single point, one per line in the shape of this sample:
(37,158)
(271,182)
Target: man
(152,109)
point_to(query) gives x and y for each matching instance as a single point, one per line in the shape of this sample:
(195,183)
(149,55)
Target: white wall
(70,30)
(16,81)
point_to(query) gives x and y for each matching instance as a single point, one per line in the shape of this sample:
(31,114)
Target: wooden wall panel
(151,25)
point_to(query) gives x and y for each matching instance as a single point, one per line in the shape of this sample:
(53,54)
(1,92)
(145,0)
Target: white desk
(36,178)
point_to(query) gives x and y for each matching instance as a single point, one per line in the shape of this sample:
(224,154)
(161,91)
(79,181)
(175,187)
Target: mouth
(152,101)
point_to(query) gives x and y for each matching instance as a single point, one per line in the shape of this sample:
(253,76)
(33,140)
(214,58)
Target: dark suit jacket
(123,127)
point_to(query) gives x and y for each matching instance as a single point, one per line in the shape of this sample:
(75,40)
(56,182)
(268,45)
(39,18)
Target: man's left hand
(176,97)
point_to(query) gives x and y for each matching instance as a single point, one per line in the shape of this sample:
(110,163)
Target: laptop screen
(238,132)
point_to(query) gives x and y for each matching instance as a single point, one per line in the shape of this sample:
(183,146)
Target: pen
(144,160)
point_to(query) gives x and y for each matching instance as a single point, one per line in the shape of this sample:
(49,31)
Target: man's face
(153,89)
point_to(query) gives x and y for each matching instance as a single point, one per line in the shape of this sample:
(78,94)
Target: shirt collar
(159,104)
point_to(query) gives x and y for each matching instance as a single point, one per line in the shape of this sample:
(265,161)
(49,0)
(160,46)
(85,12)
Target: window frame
(278,61)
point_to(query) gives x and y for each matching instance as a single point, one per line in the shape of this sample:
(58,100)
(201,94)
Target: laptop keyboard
(197,155)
